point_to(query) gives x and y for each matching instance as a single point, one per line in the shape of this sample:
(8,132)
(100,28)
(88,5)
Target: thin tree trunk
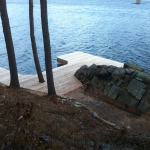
(47,48)
(34,49)
(9,45)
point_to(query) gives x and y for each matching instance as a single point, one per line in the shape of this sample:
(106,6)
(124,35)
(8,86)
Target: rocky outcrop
(143,76)
(81,73)
(137,88)
(129,85)
(133,66)
(91,70)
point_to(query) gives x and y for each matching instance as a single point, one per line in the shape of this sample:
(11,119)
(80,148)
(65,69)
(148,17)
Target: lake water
(117,30)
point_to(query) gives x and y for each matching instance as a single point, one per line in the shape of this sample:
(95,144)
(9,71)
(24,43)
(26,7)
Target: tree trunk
(47,48)
(34,49)
(9,45)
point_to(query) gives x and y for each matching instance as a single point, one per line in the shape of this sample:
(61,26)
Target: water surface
(117,30)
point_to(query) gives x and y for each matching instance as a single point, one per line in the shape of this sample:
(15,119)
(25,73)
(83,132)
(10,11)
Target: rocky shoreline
(129,85)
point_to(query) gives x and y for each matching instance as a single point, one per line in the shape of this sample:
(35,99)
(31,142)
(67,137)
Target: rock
(134,74)
(97,71)
(147,96)
(82,80)
(144,106)
(114,92)
(81,77)
(13,100)
(89,86)
(103,73)
(119,83)
(95,80)
(114,67)
(139,79)
(80,117)
(95,115)
(78,104)
(118,73)
(102,66)
(79,72)
(127,78)
(45,138)
(129,71)
(62,96)
(113,82)
(84,71)
(111,69)
(91,70)
(143,76)
(83,67)
(107,88)
(137,88)
(131,65)
(125,98)
(63,119)
(133,102)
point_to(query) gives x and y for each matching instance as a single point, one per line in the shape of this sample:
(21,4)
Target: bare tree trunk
(9,45)
(34,49)
(47,48)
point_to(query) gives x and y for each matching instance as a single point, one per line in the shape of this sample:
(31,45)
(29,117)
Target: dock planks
(64,79)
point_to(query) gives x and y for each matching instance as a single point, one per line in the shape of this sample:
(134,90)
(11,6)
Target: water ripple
(116,29)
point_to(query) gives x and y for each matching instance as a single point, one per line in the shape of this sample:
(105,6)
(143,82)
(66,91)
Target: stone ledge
(129,85)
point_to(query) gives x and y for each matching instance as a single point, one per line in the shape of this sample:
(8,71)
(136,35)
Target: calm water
(118,30)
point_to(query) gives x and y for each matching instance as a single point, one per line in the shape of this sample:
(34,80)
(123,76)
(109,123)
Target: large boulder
(103,73)
(137,88)
(143,76)
(118,73)
(81,71)
(95,80)
(114,92)
(147,96)
(107,88)
(102,66)
(97,71)
(134,75)
(144,106)
(129,71)
(119,83)
(127,85)
(131,65)
(91,70)
(111,69)
(125,98)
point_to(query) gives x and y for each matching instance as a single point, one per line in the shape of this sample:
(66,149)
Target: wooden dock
(64,80)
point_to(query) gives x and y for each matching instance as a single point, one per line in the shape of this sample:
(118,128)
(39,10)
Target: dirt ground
(136,124)
(31,120)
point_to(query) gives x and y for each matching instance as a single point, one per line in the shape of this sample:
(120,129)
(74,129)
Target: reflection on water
(118,30)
